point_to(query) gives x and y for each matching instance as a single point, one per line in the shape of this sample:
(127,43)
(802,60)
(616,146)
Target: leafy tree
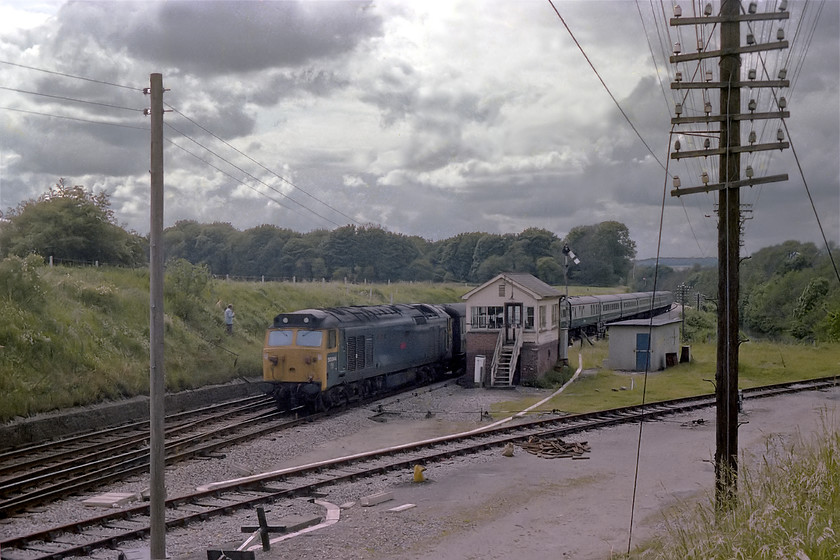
(606,253)
(339,249)
(299,254)
(70,223)
(762,265)
(538,243)
(258,251)
(420,270)
(455,255)
(549,270)
(488,245)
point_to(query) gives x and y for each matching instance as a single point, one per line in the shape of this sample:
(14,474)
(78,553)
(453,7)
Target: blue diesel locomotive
(320,358)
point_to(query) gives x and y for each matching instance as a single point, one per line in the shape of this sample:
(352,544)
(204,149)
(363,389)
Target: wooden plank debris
(555,448)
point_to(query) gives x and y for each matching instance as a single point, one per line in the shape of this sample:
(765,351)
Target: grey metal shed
(631,342)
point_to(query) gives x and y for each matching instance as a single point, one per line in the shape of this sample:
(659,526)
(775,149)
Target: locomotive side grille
(351,353)
(359,352)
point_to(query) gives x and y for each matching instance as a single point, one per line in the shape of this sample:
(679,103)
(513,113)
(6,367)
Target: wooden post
(729,242)
(157,385)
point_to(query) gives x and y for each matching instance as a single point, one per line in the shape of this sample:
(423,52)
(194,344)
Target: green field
(761,363)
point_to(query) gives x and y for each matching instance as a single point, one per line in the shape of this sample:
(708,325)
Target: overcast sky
(425,118)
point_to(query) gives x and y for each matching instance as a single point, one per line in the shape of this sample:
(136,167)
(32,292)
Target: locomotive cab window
(310,339)
(281,337)
(331,339)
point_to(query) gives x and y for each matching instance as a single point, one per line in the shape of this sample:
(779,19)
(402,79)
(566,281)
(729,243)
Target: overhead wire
(647,361)
(609,92)
(74,100)
(140,89)
(618,105)
(664,53)
(193,140)
(223,172)
(237,150)
(70,75)
(42,114)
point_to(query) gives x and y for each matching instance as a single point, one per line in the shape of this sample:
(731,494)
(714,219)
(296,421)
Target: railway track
(33,475)
(218,499)
(43,473)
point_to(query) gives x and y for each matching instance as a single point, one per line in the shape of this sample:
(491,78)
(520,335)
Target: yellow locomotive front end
(296,355)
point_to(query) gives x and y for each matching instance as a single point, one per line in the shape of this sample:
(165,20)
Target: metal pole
(729,230)
(157,386)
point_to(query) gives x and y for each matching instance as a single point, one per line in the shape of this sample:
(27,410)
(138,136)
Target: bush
(186,288)
(20,281)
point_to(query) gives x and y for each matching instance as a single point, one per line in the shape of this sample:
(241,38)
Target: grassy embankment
(79,336)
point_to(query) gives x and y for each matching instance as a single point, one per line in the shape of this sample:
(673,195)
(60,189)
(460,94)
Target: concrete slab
(111,499)
(377,498)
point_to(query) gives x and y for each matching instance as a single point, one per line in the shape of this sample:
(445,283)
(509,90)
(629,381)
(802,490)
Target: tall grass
(788,507)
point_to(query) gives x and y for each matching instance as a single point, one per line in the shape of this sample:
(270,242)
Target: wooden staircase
(505,359)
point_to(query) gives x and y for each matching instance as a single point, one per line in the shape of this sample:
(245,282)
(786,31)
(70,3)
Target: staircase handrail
(494,365)
(517,346)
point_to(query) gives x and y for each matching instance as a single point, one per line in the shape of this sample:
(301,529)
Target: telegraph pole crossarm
(731,185)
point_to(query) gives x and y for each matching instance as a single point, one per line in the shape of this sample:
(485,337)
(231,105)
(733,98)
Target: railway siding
(61,424)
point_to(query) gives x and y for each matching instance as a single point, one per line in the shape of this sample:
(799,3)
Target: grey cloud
(214,38)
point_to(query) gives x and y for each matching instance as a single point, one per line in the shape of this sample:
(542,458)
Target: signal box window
(529,318)
(491,317)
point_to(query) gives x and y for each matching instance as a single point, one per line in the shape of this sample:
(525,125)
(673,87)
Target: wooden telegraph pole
(157,386)
(729,203)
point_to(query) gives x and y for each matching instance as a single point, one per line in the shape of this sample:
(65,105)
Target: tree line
(788,291)
(70,224)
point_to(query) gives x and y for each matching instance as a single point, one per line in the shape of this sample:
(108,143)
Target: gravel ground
(484,506)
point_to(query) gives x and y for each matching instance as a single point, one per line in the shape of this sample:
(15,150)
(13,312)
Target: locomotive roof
(332,316)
